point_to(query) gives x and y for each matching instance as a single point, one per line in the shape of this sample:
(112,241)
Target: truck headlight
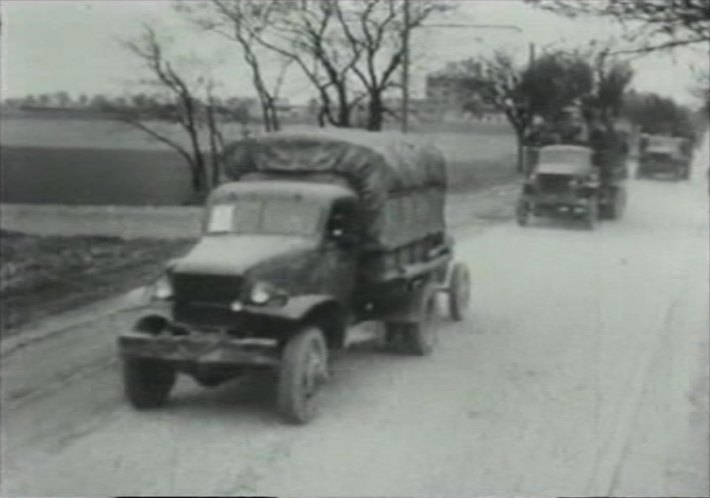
(162,289)
(262,293)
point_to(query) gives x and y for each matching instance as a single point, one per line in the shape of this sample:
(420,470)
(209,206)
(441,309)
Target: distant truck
(595,160)
(664,155)
(316,232)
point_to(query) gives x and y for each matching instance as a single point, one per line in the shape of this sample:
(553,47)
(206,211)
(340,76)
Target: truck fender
(295,309)
(321,310)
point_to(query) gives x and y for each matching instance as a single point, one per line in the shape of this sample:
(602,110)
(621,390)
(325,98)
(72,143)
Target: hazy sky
(73,45)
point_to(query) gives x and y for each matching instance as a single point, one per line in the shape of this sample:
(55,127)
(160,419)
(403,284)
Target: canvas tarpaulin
(401,185)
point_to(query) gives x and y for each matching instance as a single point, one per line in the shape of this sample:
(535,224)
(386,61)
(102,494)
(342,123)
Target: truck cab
(286,238)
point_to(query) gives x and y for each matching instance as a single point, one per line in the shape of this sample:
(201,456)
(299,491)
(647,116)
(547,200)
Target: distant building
(447,86)
(449,96)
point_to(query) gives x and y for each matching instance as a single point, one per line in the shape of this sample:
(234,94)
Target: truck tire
(614,208)
(620,205)
(459,291)
(147,383)
(522,213)
(420,337)
(394,336)
(590,219)
(304,370)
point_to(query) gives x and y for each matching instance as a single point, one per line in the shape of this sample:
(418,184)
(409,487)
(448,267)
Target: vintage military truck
(315,233)
(665,155)
(585,179)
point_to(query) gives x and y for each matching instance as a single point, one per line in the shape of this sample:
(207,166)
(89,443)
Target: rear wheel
(304,371)
(147,383)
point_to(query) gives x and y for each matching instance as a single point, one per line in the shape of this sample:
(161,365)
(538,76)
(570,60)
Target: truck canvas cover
(564,160)
(402,185)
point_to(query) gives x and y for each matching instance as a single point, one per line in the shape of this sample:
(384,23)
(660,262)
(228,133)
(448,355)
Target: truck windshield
(268,216)
(563,157)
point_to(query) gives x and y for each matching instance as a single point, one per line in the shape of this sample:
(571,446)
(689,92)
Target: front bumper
(164,339)
(199,348)
(658,168)
(563,203)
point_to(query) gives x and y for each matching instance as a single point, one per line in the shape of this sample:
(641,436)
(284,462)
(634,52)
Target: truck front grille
(553,184)
(212,289)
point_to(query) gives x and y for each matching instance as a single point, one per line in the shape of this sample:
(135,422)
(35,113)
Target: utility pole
(405,68)
(531,59)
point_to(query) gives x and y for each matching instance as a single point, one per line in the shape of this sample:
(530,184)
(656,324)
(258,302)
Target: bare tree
(181,107)
(377,31)
(242,21)
(348,51)
(302,36)
(500,84)
(651,24)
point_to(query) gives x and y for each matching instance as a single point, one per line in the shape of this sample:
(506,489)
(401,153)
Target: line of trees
(543,88)
(651,26)
(593,81)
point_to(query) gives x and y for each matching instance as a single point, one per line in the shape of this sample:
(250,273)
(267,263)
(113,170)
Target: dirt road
(580,370)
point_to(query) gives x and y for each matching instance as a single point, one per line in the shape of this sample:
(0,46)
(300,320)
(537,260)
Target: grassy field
(40,276)
(62,161)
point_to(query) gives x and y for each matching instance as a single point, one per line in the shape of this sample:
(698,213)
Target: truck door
(342,249)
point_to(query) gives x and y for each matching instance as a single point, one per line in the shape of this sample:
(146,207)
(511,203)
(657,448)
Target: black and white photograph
(355,248)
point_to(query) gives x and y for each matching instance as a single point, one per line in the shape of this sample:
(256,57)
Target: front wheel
(592,216)
(420,336)
(459,291)
(522,213)
(304,371)
(395,336)
(147,383)
(620,204)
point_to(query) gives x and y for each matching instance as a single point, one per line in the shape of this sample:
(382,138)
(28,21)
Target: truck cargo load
(401,185)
